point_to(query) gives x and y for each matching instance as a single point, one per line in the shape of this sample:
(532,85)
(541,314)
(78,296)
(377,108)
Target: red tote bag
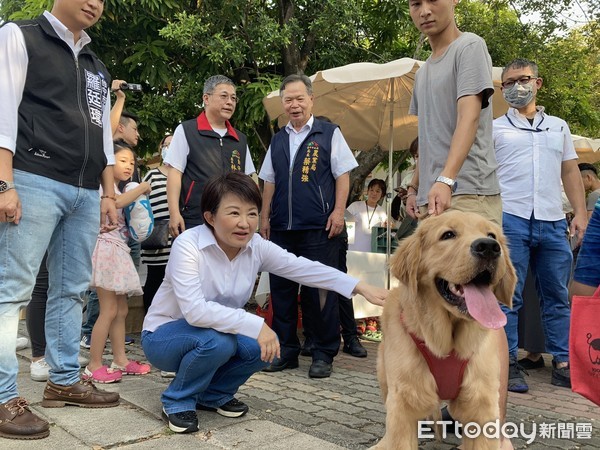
(584,346)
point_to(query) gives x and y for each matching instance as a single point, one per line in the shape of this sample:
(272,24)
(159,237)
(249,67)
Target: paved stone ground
(287,410)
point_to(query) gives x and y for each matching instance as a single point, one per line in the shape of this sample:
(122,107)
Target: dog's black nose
(485,248)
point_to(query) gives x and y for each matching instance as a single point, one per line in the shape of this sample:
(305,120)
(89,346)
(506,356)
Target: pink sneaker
(102,375)
(133,368)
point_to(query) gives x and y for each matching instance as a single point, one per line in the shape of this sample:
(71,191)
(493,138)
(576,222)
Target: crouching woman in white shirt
(196,325)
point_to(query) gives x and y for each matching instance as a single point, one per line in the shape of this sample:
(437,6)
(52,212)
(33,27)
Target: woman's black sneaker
(233,408)
(182,422)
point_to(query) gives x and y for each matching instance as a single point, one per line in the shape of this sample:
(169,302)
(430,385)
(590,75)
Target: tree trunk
(290,54)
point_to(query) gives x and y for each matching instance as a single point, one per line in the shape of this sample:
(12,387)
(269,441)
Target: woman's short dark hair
(378,182)
(236,183)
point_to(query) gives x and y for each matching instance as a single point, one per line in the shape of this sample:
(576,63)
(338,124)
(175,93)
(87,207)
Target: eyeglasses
(522,81)
(225,97)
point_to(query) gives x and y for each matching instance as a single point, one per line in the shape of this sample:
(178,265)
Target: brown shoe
(83,394)
(18,422)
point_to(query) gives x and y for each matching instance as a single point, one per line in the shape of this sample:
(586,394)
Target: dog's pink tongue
(483,306)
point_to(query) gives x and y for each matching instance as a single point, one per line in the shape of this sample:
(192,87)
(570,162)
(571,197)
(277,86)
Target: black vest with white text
(60,134)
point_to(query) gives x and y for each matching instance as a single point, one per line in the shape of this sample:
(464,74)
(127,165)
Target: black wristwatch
(452,184)
(6,185)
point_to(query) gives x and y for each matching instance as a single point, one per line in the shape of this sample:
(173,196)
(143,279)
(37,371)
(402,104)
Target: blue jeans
(210,365)
(92,310)
(587,269)
(545,247)
(63,219)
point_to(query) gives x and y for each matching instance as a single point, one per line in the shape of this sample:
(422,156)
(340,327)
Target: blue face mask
(518,95)
(163,152)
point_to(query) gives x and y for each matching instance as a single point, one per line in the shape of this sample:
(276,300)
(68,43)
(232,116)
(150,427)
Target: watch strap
(6,185)
(447,181)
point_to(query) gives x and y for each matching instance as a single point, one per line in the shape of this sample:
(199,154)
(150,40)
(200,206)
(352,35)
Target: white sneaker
(83,361)
(22,343)
(166,374)
(39,370)
(85,341)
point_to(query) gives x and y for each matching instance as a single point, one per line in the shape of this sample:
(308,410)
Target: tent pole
(388,250)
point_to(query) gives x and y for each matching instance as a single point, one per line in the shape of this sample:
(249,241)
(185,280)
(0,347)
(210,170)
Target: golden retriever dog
(453,271)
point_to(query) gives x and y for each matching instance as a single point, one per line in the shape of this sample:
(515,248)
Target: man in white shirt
(534,153)
(55,143)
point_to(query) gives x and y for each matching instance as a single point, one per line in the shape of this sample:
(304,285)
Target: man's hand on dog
(439,198)
(373,294)
(438,201)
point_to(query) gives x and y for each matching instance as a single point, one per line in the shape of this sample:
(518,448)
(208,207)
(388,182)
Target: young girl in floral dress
(114,277)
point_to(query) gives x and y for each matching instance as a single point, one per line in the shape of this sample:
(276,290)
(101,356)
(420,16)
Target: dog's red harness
(448,371)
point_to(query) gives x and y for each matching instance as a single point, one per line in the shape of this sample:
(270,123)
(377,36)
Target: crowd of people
(66,158)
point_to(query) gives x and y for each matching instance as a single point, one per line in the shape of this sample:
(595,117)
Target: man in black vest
(306,174)
(201,148)
(55,144)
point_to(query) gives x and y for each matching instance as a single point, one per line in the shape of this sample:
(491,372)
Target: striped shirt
(160,209)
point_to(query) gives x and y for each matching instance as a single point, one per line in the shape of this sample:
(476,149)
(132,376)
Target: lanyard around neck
(537,129)
(372,214)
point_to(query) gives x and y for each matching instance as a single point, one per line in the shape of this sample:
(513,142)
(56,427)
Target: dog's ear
(506,288)
(405,262)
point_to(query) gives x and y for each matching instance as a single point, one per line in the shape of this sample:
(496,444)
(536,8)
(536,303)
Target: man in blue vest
(55,144)
(306,175)
(202,147)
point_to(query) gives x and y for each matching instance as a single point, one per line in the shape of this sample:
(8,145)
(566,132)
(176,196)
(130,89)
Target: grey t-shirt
(592,198)
(464,69)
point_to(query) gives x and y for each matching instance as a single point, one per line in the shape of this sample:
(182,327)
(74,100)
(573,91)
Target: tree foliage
(570,67)
(550,17)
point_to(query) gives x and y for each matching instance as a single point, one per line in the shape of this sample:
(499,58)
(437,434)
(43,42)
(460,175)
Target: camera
(131,87)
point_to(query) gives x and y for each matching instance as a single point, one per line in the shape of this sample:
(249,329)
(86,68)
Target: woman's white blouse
(205,288)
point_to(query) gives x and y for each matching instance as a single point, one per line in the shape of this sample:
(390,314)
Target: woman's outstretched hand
(373,294)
